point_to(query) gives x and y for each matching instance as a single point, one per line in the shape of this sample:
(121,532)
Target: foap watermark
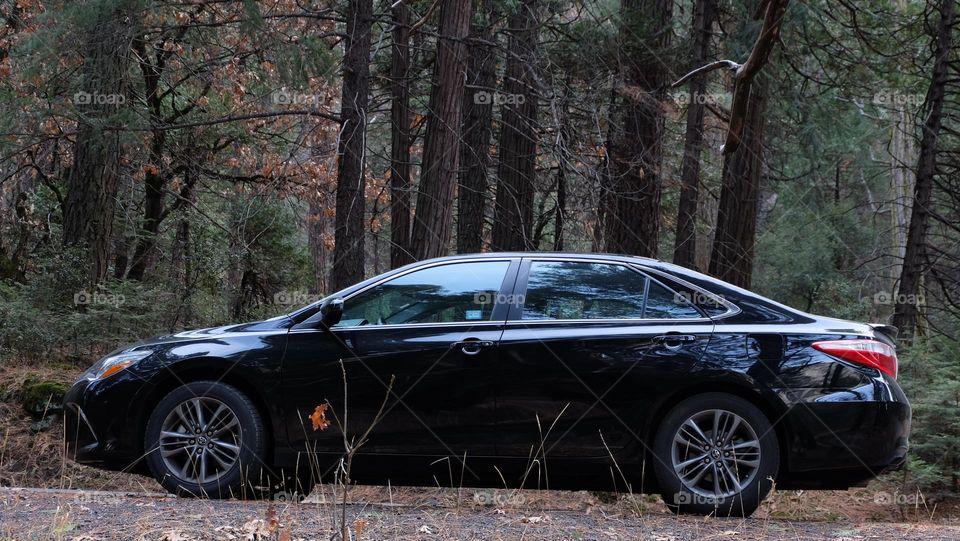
(894,97)
(98,497)
(888,297)
(82,97)
(498,499)
(288,497)
(699,98)
(290,97)
(98,297)
(897,498)
(294,298)
(697,297)
(492,297)
(482,97)
(689,498)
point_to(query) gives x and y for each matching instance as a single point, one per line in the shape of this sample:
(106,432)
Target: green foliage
(930,375)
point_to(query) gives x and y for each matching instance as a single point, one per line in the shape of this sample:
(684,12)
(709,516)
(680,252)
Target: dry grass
(35,459)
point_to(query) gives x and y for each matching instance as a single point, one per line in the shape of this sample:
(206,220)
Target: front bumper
(101,427)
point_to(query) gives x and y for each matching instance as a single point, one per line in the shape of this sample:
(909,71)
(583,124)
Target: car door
(588,348)
(433,332)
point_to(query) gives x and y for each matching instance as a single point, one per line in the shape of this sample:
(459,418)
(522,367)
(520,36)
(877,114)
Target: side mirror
(330,312)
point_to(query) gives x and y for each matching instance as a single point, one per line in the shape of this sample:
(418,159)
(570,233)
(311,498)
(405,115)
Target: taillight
(872,353)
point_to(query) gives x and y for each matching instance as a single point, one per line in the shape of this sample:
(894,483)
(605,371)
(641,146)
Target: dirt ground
(32,514)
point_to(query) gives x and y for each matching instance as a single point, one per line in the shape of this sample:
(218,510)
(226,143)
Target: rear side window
(558,290)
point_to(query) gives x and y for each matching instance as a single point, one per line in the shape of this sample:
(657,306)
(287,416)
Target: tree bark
(400,138)
(903,157)
(155,180)
(909,293)
(685,246)
(513,213)
(633,214)
(433,221)
(477,132)
(733,243)
(92,180)
(348,259)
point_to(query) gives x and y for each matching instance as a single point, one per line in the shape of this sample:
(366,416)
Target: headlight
(109,366)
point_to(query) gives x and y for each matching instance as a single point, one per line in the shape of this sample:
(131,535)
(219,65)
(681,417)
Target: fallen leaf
(319,417)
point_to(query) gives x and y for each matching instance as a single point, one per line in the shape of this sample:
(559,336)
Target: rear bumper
(843,439)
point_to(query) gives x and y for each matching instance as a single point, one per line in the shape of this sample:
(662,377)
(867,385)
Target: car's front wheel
(206,439)
(715,453)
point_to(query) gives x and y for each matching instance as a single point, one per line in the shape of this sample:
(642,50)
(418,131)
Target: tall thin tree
(636,152)
(908,294)
(348,257)
(685,245)
(733,243)
(433,221)
(477,132)
(400,138)
(513,216)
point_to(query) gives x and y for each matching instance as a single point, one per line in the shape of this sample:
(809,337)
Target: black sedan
(561,371)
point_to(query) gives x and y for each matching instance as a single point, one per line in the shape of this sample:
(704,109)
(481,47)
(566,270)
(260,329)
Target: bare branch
(772,12)
(729,64)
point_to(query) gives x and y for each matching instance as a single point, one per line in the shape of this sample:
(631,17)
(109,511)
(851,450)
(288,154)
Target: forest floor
(35,514)
(45,496)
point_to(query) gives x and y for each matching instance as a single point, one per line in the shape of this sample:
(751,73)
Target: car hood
(281,323)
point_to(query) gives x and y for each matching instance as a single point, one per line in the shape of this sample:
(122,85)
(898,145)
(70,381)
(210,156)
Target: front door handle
(472,346)
(674,340)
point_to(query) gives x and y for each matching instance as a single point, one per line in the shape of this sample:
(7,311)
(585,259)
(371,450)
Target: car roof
(579,255)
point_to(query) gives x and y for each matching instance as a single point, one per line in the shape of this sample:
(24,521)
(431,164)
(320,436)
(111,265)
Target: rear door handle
(472,346)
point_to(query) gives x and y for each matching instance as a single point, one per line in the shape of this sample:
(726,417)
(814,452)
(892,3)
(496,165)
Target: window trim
(507,284)
(732,309)
(515,317)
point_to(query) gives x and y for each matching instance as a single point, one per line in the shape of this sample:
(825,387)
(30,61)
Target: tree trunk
(903,156)
(513,214)
(633,214)
(909,293)
(477,132)
(317,228)
(155,180)
(348,259)
(685,246)
(733,243)
(433,221)
(400,138)
(92,180)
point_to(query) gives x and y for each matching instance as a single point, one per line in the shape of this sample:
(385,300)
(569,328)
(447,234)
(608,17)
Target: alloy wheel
(200,440)
(715,453)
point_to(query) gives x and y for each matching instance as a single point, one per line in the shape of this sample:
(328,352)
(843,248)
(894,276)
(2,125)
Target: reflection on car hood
(270,325)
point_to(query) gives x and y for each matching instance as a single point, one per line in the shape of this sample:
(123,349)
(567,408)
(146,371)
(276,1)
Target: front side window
(457,292)
(582,290)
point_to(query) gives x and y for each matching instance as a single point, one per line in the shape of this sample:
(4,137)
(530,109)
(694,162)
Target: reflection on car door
(589,350)
(434,332)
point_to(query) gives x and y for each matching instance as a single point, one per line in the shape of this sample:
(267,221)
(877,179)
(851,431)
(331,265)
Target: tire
(219,460)
(696,476)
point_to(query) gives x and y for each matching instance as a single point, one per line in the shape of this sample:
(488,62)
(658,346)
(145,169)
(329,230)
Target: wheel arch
(203,369)
(769,406)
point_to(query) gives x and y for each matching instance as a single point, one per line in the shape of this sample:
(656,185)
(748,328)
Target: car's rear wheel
(206,439)
(715,453)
